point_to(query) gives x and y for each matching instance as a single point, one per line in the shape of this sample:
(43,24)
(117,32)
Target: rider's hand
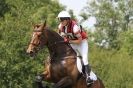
(66,40)
(63,34)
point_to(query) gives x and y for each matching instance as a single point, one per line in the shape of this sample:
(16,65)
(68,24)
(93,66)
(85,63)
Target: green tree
(112,18)
(17,69)
(4,7)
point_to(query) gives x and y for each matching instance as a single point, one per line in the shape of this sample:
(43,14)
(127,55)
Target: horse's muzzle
(31,53)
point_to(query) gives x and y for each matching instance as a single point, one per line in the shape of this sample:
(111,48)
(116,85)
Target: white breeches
(82,49)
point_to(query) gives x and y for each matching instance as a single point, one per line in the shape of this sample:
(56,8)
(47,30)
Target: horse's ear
(45,23)
(33,24)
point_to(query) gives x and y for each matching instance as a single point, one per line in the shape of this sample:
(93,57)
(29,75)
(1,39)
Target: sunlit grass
(114,68)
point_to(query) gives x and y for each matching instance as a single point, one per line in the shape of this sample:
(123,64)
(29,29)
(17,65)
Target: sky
(77,6)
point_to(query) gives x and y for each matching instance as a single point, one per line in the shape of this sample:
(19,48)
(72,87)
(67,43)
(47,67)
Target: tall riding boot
(87,73)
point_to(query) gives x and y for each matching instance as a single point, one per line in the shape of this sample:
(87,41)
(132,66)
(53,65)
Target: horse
(60,68)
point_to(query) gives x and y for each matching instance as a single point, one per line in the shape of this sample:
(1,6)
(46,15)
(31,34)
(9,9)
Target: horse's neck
(57,47)
(61,50)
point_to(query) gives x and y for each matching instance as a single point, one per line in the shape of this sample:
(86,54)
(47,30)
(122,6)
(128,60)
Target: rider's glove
(66,40)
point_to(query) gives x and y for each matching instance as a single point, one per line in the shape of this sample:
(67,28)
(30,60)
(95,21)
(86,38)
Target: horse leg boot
(39,78)
(38,81)
(87,73)
(39,85)
(66,82)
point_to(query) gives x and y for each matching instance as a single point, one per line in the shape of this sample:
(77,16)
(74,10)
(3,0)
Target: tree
(112,18)
(4,7)
(17,69)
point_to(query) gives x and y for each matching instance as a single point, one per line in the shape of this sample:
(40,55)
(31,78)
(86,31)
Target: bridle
(32,43)
(50,44)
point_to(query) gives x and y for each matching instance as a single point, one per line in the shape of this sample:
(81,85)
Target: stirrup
(89,81)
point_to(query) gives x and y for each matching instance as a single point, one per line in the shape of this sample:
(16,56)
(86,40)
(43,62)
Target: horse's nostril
(31,52)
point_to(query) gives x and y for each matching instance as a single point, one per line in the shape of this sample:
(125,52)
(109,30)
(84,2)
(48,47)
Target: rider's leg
(84,53)
(87,73)
(83,50)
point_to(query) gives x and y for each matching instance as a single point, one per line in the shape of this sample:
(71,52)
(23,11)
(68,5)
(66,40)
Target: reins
(55,43)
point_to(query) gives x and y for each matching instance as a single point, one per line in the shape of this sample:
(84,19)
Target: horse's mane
(54,34)
(56,43)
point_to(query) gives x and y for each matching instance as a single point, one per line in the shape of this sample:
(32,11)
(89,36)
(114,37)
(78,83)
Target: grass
(114,68)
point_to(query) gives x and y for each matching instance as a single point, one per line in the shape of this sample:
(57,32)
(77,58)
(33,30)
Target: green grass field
(114,68)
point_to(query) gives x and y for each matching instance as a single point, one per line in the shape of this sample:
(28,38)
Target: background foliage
(113,64)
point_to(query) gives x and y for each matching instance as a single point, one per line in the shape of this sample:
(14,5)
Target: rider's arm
(77,41)
(76,31)
(62,34)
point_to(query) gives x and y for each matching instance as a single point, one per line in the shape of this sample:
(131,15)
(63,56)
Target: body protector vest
(70,33)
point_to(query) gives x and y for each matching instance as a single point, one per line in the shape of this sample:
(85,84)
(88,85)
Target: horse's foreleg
(39,85)
(38,81)
(65,82)
(39,78)
(44,76)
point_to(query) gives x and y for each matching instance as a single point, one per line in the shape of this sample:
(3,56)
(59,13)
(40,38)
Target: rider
(71,33)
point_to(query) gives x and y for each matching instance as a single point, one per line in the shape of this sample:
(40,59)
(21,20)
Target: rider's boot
(87,73)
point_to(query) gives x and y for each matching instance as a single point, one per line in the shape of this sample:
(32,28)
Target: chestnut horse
(61,68)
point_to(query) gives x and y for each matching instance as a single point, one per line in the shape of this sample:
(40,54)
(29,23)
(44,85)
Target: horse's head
(37,40)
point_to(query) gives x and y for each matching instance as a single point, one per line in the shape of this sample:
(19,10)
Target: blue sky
(77,6)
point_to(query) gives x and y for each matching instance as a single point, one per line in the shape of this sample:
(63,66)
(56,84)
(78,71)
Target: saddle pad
(79,65)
